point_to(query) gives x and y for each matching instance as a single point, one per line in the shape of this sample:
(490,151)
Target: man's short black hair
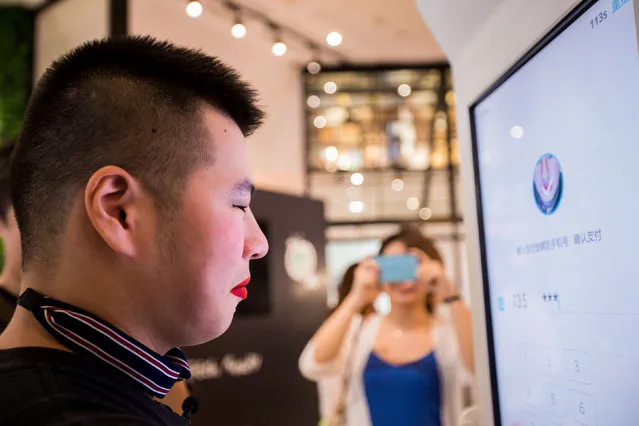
(6,149)
(133,102)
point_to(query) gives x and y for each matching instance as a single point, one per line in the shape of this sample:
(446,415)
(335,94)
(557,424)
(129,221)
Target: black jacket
(49,387)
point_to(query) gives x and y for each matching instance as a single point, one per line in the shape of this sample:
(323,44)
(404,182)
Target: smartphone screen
(397,268)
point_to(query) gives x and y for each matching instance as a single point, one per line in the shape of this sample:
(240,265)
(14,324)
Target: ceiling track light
(334,39)
(238,30)
(241,10)
(279,48)
(194,8)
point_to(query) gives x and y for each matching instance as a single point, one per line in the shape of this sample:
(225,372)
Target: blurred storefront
(382,152)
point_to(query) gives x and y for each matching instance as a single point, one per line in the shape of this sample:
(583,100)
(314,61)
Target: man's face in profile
(208,245)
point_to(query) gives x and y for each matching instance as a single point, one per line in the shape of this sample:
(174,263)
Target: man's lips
(240,289)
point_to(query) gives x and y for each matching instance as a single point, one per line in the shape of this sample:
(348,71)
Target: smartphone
(397,268)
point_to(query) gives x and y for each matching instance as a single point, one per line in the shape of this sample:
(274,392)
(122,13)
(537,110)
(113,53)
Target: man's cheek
(229,238)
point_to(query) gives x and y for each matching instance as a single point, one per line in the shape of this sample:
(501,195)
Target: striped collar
(84,333)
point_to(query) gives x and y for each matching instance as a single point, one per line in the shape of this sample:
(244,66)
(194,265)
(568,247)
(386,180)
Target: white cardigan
(451,369)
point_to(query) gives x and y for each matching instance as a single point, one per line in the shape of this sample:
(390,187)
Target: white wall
(277,149)
(482,39)
(66,24)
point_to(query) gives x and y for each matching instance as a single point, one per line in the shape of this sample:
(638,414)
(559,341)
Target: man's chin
(206,334)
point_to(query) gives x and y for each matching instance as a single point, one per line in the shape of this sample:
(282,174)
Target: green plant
(16,51)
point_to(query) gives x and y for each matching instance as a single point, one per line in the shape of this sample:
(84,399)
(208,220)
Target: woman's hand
(365,285)
(432,272)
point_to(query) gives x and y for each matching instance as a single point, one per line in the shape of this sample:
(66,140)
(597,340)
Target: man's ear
(112,199)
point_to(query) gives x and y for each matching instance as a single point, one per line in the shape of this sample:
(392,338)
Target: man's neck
(98,303)
(10,282)
(25,331)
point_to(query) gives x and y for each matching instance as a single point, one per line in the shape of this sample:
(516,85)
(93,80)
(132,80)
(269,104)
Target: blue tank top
(406,395)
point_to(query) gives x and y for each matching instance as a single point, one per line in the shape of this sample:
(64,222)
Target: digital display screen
(556,156)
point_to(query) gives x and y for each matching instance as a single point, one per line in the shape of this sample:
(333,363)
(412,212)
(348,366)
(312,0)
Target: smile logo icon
(548,184)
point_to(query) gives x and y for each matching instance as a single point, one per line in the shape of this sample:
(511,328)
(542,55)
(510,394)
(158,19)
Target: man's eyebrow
(244,186)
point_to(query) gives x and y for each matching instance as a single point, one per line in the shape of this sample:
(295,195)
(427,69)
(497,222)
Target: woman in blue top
(402,369)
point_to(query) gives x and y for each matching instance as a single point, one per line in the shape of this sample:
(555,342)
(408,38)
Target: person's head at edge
(131,188)
(9,233)
(410,293)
